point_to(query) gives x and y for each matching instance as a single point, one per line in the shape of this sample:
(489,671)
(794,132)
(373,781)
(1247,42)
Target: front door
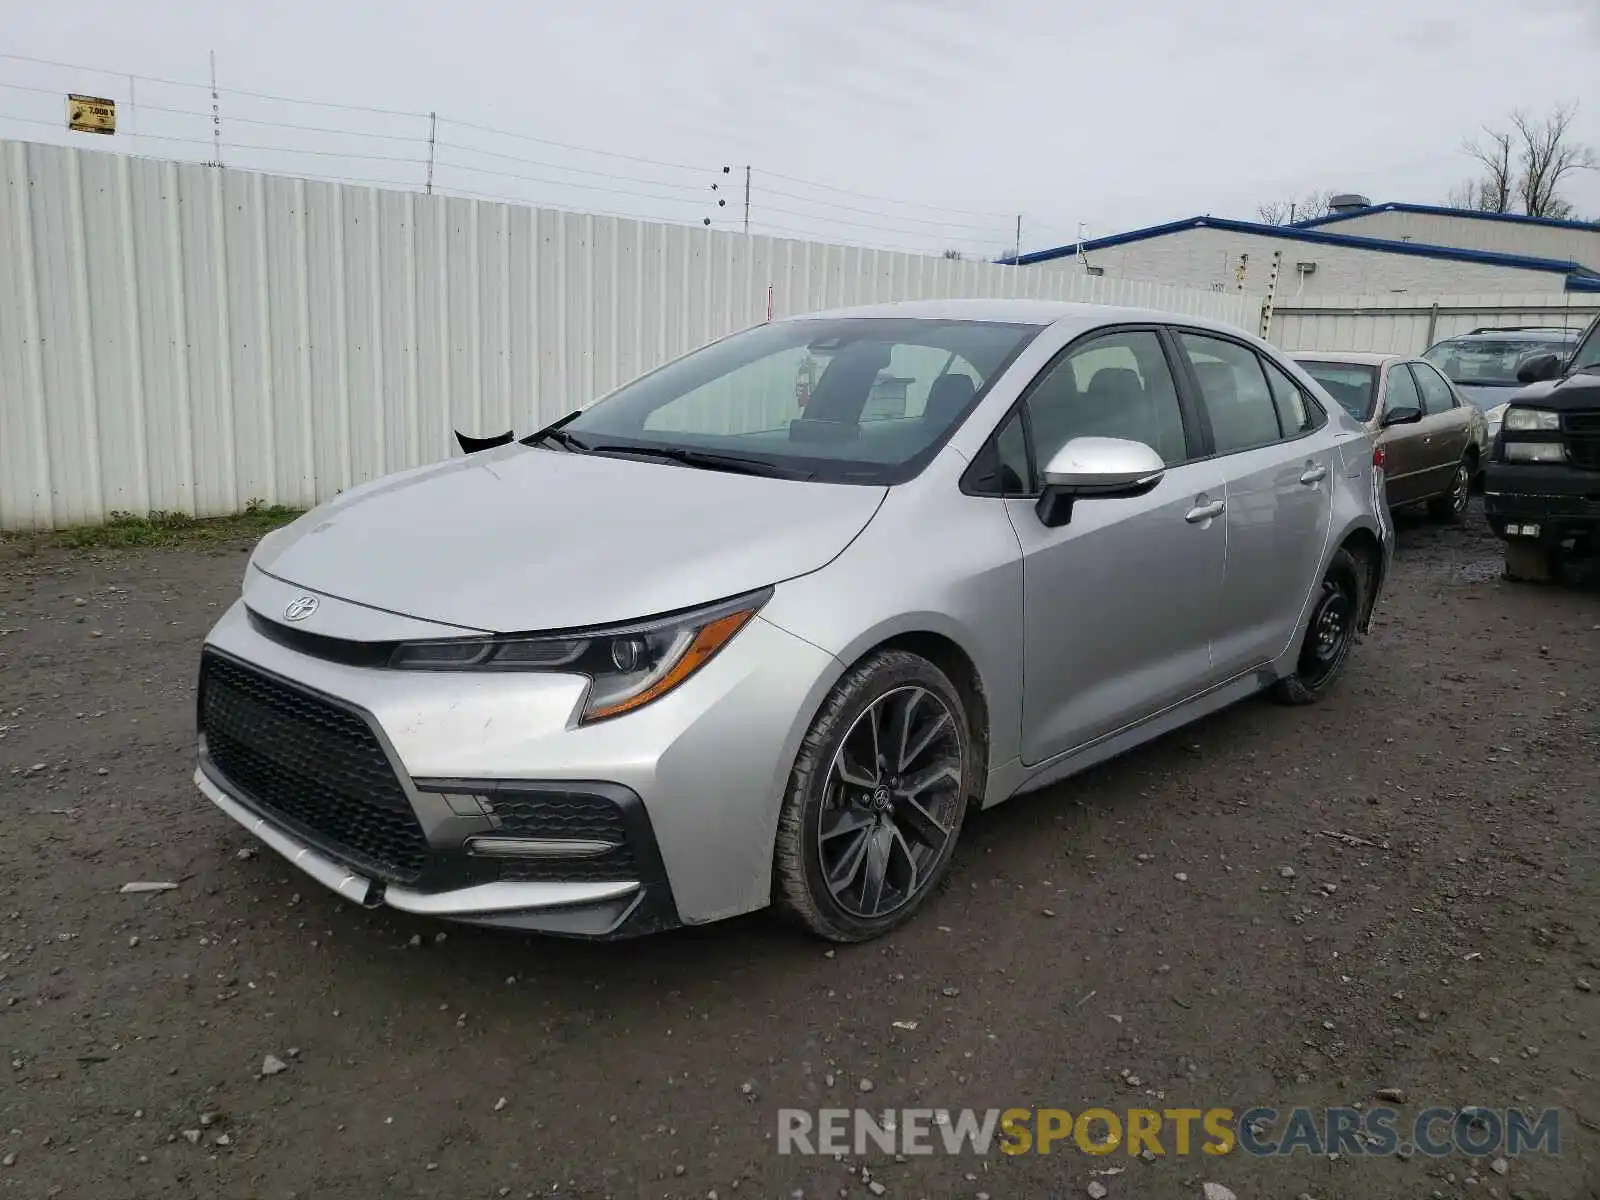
(1120,603)
(1407,464)
(1279,485)
(1446,428)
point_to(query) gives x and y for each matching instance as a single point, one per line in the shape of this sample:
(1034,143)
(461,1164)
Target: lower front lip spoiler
(478,900)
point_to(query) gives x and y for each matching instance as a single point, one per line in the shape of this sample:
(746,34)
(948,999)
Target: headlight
(1536,452)
(1530,420)
(629,665)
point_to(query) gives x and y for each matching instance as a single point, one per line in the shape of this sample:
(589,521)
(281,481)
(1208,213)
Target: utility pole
(433,138)
(1017,252)
(1291,212)
(747,198)
(216,116)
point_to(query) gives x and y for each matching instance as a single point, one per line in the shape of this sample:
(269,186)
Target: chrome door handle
(1314,474)
(1204,512)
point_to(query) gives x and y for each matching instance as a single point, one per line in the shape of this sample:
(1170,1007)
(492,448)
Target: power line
(971,212)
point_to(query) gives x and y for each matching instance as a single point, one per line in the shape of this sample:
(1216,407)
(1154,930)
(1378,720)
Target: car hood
(523,539)
(1485,397)
(1581,390)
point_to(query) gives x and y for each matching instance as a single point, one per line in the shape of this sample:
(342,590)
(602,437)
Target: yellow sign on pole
(91,114)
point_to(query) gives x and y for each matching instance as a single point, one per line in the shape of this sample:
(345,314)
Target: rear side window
(1234,389)
(1436,397)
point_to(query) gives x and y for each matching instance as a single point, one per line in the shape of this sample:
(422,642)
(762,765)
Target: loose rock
(1215,1191)
(271,1065)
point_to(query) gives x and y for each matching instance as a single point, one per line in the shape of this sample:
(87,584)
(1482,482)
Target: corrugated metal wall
(177,337)
(1406,324)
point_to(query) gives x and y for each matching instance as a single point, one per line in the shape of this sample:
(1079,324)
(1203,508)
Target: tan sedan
(1434,440)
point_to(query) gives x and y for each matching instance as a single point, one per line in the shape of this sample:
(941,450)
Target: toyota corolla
(764,626)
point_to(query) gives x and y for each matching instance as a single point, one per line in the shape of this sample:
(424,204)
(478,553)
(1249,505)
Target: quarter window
(1117,385)
(1297,413)
(1237,399)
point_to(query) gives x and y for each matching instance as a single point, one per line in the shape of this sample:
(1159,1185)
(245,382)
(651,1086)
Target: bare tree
(1493,189)
(1548,156)
(1307,208)
(952,253)
(1522,168)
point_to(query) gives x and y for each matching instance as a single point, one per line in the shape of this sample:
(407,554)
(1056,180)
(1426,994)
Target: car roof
(1520,333)
(1365,358)
(1021,312)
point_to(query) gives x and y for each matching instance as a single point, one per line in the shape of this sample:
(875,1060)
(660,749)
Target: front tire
(1529,562)
(876,799)
(1330,634)
(1451,507)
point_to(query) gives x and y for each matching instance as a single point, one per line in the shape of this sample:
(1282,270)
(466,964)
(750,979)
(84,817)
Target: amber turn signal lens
(711,638)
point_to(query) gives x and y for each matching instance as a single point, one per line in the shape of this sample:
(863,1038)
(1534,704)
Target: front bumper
(686,790)
(1562,502)
(603,910)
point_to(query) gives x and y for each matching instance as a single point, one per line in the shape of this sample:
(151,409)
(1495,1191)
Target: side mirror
(1537,368)
(1096,467)
(1407,415)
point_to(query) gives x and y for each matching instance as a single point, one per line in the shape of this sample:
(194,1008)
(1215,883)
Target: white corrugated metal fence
(175,337)
(1406,324)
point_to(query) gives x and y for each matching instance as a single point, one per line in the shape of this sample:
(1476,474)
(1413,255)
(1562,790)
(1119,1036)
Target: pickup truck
(1541,483)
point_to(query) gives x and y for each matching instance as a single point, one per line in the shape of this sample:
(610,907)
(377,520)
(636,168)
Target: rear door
(1406,456)
(1278,475)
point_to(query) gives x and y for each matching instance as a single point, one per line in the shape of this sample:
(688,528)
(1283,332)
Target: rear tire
(1330,633)
(1451,507)
(876,800)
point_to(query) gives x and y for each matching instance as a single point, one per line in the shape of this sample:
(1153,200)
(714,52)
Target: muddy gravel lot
(1396,889)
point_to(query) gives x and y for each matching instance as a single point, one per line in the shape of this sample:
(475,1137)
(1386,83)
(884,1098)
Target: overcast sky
(912,124)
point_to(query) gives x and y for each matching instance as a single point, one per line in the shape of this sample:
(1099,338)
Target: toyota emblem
(299,610)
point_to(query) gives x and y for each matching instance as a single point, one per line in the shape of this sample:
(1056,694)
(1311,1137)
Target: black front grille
(574,816)
(315,766)
(1582,431)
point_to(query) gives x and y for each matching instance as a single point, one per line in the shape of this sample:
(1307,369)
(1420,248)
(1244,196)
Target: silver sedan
(764,625)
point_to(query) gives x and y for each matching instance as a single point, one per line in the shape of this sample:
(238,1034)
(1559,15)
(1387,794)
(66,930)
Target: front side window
(1402,391)
(1479,361)
(865,399)
(1116,385)
(1436,397)
(1237,399)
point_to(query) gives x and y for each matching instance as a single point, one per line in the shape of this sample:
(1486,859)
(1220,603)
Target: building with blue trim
(1363,249)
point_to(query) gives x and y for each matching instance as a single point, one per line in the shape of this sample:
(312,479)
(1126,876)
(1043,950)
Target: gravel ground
(1176,928)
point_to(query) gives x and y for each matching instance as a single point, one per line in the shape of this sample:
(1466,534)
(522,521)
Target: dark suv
(1541,484)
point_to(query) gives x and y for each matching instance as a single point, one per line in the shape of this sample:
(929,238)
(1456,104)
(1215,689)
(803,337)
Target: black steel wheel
(1330,634)
(876,799)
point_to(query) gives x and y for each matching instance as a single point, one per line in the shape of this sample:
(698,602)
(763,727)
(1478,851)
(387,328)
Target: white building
(1503,233)
(1388,249)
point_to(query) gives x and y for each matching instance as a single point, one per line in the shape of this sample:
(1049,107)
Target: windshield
(1491,362)
(1353,385)
(857,400)
(1588,356)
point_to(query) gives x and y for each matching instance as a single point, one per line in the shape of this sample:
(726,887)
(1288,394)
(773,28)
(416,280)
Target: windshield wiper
(708,459)
(554,433)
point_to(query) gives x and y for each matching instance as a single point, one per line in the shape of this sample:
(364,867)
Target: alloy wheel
(1460,489)
(892,802)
